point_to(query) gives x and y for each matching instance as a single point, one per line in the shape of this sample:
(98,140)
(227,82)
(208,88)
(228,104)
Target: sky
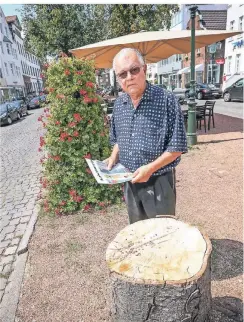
(11,9)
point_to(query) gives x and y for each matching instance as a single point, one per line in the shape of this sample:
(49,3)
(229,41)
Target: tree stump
(160,272)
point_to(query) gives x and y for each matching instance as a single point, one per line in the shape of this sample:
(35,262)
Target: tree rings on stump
(160,271)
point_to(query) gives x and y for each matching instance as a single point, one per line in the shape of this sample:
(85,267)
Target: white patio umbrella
(154,45)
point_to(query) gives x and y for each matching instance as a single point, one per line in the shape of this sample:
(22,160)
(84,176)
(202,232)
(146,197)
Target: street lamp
(191,124)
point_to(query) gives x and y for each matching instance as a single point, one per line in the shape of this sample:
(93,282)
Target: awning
(199,68)
(183,70)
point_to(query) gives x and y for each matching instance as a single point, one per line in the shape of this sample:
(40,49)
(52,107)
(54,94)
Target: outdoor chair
(210,112)
(201,116)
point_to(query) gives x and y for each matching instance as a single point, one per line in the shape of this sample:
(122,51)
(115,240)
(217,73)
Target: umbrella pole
(115,86)
(191,124)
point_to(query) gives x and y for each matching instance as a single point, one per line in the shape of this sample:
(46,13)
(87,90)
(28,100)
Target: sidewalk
(66,278)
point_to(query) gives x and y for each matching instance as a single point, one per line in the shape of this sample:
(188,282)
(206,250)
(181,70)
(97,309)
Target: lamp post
(191,124)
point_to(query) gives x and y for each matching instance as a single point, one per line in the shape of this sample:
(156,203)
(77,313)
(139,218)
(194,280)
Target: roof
(214,19)
(11,18)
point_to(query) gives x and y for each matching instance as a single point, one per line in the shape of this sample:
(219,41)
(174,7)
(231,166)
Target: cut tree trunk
(160,272)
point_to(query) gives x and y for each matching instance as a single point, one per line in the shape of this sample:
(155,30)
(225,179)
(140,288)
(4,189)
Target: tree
(76,129)
(52,28)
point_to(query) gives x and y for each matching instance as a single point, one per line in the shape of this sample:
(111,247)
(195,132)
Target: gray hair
(125,51)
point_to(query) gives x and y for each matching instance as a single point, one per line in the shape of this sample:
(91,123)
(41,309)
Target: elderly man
(148,134)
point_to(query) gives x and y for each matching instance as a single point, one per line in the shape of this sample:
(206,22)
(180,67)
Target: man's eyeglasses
(132,71)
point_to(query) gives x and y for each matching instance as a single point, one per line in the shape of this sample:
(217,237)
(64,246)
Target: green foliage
(51,28)
(75,129)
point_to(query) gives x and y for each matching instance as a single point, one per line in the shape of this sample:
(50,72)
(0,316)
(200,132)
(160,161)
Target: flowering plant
(74,130)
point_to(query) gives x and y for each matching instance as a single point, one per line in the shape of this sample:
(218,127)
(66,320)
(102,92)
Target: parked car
(234,92)
(8,114)
(204,91)
(33,103)
(21,107)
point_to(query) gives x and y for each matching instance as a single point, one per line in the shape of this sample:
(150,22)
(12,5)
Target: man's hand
(110,162)
(142,174)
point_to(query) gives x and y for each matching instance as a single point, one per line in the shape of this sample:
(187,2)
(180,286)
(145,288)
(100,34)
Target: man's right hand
(110,162)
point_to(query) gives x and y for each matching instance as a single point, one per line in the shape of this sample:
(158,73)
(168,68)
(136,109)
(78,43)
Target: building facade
(11,78)
(19,69)
(234,46)
(171,71)
(30,65)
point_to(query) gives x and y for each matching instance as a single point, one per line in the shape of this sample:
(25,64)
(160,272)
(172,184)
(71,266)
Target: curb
(23,246)
(10,300)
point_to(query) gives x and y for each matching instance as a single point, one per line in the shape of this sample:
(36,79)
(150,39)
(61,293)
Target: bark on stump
(160,272)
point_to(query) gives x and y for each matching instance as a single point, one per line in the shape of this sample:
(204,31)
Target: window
(240,23)
(12,68)
(229,65)
(1,73)
(6,68)
(15,54)
(238,59)
(239,83)
(6,31)
(17,72)
(1,28)
(1,45)
(8,48)
(232,23)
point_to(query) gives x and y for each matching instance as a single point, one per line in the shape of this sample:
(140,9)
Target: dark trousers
(153,198)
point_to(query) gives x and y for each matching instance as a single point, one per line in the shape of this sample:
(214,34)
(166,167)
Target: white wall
(234,55)
(10,60)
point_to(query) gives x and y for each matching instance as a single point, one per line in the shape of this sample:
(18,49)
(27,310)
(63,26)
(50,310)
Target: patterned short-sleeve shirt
(144,133)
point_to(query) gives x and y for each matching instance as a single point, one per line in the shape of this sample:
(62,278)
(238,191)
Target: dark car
(234,92)
(21,107)
(33,103)
(204,91)
(8,113)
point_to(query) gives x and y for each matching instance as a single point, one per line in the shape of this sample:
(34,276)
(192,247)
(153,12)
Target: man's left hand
(142,174)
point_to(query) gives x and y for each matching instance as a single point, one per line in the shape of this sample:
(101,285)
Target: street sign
(220,61)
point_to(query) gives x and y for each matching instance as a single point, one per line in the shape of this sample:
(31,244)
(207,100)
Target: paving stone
(10,250)
(19,233)
(7,269)
(9,236)
(25,219)
(4,243)
(15,241)
(1,268)
(14,222)
(8,229)
(7,259)
(3,282)
(17,215)
(8,287)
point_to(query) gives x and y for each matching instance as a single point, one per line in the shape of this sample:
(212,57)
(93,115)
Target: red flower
(71,124)
(40,119)
(61,96)
(79,72)
(44,124)
(62,203)
(101,204)
(83,92)
(42,141)
(95,100)
(90,84)
(77,117)
(72,192)
(57,123)
(87,207)
(70,138)
(78,198)
(87,99)
(39,150)
(88,156)
(88,171)
(57,158)
(67,72)
(42,75)
(46,65)
(63,136)
(76,133)
(51,89)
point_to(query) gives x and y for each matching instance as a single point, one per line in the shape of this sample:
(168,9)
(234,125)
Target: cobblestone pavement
(19,187)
